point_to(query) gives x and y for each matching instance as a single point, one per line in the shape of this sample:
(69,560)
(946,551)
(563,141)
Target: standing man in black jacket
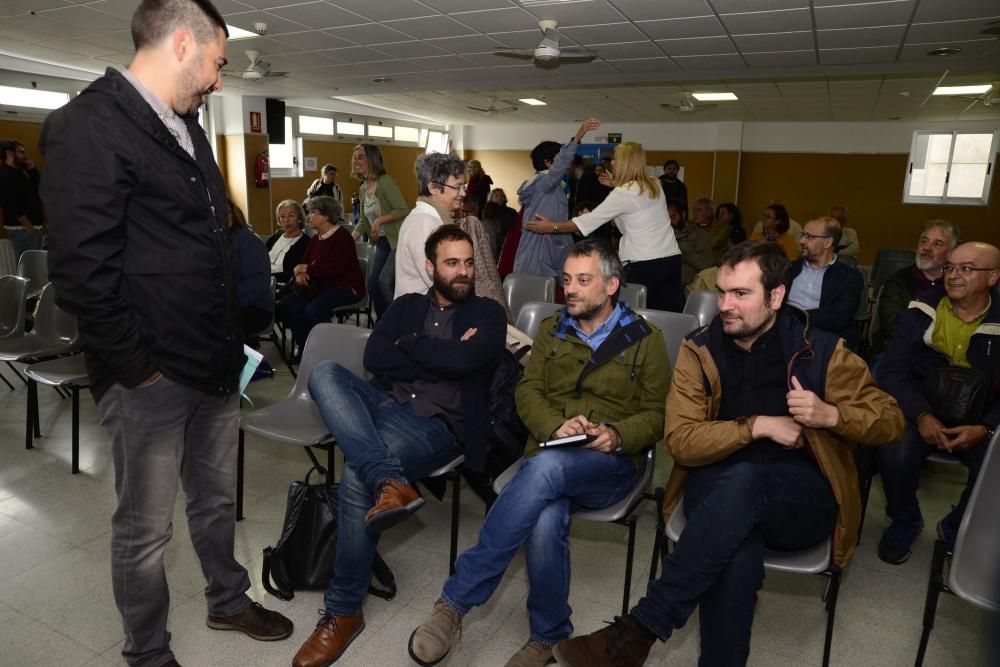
(432,356)
(141,256)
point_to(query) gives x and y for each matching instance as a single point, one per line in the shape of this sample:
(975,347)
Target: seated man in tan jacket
(758,419)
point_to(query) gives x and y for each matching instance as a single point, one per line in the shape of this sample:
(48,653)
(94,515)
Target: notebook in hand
(569,441)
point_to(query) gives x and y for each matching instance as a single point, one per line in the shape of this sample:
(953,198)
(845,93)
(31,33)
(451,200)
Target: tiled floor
(56,606)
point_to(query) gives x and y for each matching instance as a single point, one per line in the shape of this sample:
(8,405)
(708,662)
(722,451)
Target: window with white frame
(284,158)
(315,125)
(345,127)
(437,142)
(407,134)
(379,131)
(950,168)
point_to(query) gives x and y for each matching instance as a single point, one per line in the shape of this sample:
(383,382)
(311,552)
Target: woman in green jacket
(381,212)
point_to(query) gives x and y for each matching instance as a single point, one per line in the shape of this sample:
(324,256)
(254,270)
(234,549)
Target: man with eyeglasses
(823,287)
(954,325)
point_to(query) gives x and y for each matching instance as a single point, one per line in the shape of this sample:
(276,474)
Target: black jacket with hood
(138,249)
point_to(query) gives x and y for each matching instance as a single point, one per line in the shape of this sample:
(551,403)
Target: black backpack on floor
(303,557)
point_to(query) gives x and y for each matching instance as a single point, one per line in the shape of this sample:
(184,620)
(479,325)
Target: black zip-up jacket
(398,350)
(138,244)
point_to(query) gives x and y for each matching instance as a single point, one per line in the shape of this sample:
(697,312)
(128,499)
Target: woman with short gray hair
(441,184)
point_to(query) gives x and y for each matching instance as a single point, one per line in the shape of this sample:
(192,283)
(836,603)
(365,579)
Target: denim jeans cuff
(237,606)
(343,610)
(654,625)
(454,605)
(391,478)
(545,641)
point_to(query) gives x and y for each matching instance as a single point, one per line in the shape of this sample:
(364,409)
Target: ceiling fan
(492,109)
(257,69)
(688,104)
(991,98)
(548,54)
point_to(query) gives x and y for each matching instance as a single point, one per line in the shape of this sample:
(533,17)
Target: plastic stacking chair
(531,315)
(296,420)
(363,306)
(703,304)
(848,260)
(634,294)
(973,575)
(365,250)
(13,293)
(887,262)
(69,372)
(675,326)
(815,560)
(520,288)
(452,472)
(34,266)
(622,512)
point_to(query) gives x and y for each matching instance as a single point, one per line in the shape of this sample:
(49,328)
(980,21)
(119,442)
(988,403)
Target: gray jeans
(160,433)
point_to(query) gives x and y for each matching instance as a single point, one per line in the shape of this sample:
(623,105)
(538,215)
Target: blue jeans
(382,276)
(165,435)
(734,512)
(22,241)
(302,314)
(534,510)
(381,440)
(900,464)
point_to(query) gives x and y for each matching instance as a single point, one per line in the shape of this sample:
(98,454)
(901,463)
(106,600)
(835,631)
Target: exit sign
(614,137)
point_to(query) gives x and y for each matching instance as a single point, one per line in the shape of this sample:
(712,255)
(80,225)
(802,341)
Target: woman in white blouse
(639,210)
(287,245)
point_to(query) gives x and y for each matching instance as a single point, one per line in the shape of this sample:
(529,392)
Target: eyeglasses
(962,269)
(769,217)
(807,236)
(461,188)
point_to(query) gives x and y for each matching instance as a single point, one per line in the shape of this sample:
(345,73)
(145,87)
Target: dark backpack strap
(279,593)
(385,577)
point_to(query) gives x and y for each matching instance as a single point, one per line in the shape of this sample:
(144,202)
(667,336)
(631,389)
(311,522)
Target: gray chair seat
(817,559)
(294,421)
(634,294)
(620,512)
(64,371)
(531,314)
(520,288)
(33,347)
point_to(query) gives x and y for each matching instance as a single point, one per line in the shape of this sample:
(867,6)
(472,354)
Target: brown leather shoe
(332,636)
(621,644)
(255,621)
(396,501)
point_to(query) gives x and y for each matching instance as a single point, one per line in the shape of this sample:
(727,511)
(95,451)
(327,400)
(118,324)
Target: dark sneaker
(947,528)
(254,621)
(621,644)
(897,540)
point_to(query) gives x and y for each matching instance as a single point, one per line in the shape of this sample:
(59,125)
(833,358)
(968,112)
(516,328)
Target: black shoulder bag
(303,557)
(957,394)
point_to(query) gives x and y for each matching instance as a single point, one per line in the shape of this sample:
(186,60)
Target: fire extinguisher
(262,170)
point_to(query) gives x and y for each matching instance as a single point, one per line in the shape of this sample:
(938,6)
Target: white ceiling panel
(847,38)
(384,11)
(627,50)
(603,34)
(646,10)
(414,49)
(584,12)
(872,54)
(471,44)
(449,6)
(781,59)
(895,12)
(956,9)
(651,65)
(739,6)
(705,26)
(275,24)
(312,40)
(499,20)
(723,61)
(369,33)
(318,15)
(430,27)
(952,31)
(787,20)
(697,46)
(779,41)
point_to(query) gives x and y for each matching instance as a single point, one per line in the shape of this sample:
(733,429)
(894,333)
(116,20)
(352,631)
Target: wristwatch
(555,228)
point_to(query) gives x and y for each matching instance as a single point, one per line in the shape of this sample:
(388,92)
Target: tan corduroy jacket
(868,416)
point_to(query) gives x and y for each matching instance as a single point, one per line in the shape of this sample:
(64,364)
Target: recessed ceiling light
(944,51)
(239,33)
(381,79)
(714,97)
(963,90)
(32,98)
(531,101)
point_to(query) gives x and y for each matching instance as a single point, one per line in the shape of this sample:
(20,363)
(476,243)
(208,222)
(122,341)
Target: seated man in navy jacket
(432,356)
(825,288)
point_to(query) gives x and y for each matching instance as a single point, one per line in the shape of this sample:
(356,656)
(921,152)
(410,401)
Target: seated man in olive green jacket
(597,369)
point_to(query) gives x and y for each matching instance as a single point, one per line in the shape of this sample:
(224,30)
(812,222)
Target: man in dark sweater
(22,208)
(673,187)
(431,356)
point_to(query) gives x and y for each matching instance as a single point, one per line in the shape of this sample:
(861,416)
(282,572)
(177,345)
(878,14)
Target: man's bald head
(976,270)
(984,255)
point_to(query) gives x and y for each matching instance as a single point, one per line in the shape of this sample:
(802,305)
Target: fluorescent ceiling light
(714,97)
(962,90)
(239,33)
(32,98)
(531,101)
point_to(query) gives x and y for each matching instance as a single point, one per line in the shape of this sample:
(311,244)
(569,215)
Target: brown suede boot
(431,642)
(332,636)
(396,501)
(621,644)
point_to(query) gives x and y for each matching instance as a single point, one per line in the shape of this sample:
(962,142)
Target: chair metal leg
(17,373)
(330,464)
(6,381)
(867,468)
(660,539)
(29,424)
(630,522)
(455,506)
(935,584)
(831,611)
(76,429)
(239,477)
